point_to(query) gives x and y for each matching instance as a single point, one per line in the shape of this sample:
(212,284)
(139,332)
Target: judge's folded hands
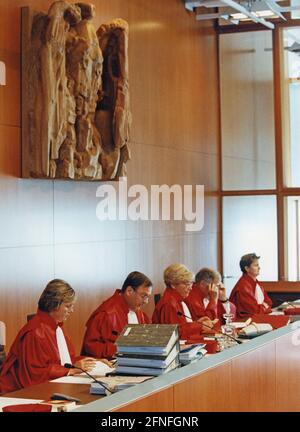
(87,363)
(208,325)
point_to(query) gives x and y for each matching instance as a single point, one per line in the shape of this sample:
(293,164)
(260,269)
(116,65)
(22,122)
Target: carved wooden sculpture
(75,94)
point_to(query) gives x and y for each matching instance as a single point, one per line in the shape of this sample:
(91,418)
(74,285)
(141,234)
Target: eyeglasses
(69,305)
(187,284)
(143,296)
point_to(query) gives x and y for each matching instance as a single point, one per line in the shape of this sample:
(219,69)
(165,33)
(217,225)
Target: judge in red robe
(109,319)
(208,297)
(42,347)
(248,295)
(172,307)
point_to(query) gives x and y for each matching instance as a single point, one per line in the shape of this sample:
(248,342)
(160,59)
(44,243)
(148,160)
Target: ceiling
(235,12)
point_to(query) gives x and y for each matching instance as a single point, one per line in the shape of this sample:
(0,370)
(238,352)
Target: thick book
(147,338)
(148,361)
(135,370)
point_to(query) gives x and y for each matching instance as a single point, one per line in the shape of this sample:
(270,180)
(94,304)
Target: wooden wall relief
(75,94)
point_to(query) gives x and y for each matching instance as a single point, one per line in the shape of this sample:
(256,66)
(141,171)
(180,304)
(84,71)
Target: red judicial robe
(212,311)
(105,324)
(34,356)
(243,296)
(166,312)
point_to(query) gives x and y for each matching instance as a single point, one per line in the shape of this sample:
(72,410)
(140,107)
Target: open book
(240,324)
(254,329)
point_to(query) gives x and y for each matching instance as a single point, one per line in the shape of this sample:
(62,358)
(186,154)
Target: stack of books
(191,353)
(147,349)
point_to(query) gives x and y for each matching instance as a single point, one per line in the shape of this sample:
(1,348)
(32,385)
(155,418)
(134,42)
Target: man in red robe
(248,295)
(172,307)
(109,319)
(42,347)
(208,297)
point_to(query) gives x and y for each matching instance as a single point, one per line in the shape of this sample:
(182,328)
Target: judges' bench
(260,375)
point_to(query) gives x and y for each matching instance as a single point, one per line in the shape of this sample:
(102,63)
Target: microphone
(71,366)
(179,313)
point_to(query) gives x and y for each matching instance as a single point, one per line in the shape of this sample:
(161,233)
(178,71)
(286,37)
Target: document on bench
(100,370)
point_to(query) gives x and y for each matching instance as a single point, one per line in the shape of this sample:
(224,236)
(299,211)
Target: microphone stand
(70,366)
(179,313)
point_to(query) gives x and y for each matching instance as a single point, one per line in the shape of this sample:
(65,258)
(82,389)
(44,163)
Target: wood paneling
(173,84)
(23,271)
(162,401)
(253,386)
(288,372)
(209,391)
(282,286)
(95,271)
(9,150)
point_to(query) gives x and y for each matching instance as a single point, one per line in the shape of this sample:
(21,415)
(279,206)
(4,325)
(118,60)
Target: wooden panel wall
(49,228)
(158,402)
(288,371)
(209,391)
(265,379)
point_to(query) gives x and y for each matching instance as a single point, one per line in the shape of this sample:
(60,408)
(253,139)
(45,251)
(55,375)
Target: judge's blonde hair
(177,273)
(56,292)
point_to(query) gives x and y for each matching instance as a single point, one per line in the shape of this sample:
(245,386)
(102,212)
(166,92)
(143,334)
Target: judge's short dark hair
(208,275)
(247,260)
(56,292)
(136,279)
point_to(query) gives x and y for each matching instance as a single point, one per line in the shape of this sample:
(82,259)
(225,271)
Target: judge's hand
(87,363)
(107,362)
(208,325)
(213,292)
(222,292)
(266,305)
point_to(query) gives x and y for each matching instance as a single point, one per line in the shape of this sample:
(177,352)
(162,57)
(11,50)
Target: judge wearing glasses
(109,319)
(172,307)
(42,346)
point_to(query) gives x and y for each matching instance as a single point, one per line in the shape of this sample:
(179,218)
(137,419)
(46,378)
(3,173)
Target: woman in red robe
(248,295)
(42,346)
(172,307)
